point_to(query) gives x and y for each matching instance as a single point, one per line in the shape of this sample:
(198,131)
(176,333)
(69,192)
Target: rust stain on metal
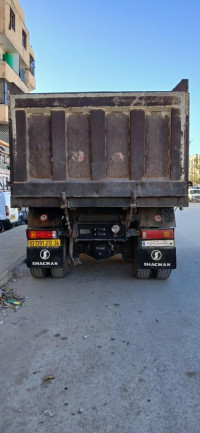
(117,145)
(40,148)
(176,138)
(21,151)
(157,141)
(137,144)
(78,146)
(100,101)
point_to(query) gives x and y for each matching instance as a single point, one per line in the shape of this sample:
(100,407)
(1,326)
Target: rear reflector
(157,234)
(41,234)
(7,210)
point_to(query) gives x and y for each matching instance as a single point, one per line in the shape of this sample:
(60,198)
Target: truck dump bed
(100,149)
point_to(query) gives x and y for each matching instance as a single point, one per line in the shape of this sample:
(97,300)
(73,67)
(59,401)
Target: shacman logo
(156,255)
(45,254)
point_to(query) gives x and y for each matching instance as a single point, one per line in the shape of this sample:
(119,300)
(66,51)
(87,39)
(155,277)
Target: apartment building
(17,69)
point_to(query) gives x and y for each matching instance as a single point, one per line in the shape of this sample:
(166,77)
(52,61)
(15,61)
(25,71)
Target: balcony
(11,76)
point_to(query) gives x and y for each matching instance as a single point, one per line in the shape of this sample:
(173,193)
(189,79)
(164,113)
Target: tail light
(7,210)
(42,234)
(157,234)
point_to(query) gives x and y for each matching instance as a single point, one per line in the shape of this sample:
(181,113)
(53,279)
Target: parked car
(8,216)
(23,215)
(194,194)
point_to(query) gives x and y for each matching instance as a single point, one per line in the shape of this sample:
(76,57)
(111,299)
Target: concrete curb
(12,252)
(9,273)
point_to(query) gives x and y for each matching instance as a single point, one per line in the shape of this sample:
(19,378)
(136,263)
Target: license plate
(45,243)
(158,243)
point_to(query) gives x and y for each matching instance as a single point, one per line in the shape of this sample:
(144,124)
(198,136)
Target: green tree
(195,177)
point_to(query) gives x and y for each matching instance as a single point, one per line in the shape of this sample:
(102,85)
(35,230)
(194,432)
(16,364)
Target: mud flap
(45,257)
(156,258)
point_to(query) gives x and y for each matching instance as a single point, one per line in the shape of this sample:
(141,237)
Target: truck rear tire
(59,272)
(140,274)
(39,272)
(162,274)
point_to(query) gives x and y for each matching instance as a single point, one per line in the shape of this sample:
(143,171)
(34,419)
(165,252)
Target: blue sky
(117,45)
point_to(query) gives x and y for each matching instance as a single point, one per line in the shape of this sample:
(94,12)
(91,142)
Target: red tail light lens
(157,234)
(42,234)
(7,210)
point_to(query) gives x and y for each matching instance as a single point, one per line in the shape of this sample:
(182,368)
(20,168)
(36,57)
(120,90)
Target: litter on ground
(46,378)
(10,299)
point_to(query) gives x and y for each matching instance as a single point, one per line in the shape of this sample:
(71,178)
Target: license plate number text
(45,243)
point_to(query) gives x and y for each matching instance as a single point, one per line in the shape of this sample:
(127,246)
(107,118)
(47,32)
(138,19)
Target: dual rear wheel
(144,274)
(54,272)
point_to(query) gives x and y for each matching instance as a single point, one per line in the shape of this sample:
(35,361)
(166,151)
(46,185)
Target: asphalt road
(124,352)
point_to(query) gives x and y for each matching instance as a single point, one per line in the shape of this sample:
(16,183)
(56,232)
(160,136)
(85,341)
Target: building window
(22,74)
(3,92)
(12,20)
(32,65)
(24,39)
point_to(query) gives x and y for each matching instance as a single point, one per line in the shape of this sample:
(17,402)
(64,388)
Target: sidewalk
(12,251)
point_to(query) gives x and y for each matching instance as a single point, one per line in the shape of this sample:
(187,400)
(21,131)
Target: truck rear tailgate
(100,149)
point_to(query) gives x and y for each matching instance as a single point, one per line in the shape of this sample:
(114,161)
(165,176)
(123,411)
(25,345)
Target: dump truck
(102,174)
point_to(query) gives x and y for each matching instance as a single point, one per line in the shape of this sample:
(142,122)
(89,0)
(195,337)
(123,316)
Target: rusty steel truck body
(102,174)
